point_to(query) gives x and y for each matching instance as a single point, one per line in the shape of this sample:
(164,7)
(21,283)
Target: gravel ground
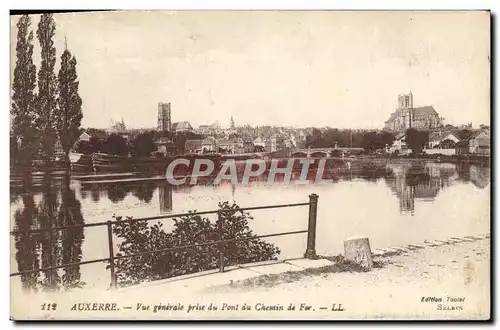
(443,282)
(409,285)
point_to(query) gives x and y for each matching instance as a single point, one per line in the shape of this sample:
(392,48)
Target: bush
(192,230)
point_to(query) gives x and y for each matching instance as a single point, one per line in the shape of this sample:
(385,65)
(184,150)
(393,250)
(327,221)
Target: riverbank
(477,159)
(402,286)
(448,281)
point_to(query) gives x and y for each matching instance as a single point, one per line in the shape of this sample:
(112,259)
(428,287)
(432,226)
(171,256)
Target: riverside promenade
(213,279)
(440,280)
(266,273)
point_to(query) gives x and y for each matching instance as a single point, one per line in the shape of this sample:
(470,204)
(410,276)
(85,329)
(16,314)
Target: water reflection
(478,175)
(166,203)
(117,192)
(95,193)
(26,245)
(70,214)
(144,192)
(51,201)
(58,206)
(423,180)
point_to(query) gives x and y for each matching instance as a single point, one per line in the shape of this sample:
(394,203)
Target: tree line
(416,140)
(331,137)
(46,107)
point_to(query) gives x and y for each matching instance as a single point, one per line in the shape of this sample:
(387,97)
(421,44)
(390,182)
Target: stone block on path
(357,250)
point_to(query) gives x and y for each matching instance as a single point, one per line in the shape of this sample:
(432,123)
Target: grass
(340,265)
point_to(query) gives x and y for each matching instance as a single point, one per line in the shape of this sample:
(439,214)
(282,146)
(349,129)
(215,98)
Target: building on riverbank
(233,146)
(442,142)
(480,143)
(399,145)
(193,146)
(164,146)
(209,144)
(443,139)
(213,130)
(272,143)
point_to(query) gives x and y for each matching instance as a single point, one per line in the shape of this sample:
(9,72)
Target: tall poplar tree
(68,115)
(47,87)
(23,113)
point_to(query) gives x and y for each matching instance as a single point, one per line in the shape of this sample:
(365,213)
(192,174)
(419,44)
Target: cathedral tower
(164,117)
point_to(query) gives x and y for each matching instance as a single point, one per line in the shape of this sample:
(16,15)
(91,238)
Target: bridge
(326,152)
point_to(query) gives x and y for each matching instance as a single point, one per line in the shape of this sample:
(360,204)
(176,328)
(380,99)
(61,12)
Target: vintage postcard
(250,165)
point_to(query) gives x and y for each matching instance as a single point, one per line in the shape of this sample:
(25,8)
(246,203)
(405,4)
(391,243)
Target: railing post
(221,238)
(111,255)
(311,229)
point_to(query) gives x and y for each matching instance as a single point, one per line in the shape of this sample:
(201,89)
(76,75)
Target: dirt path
(450,281)
(445,282)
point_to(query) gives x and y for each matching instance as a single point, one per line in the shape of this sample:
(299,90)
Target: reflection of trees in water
(26,255)
(50,240)
(70,214)
(49,248)
(84,193)
(95,193)
(117,193)
(144,191)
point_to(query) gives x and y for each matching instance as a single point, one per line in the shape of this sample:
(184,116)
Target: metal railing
(310,250)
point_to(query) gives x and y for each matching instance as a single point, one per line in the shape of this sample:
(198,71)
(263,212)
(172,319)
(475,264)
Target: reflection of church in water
(423,182)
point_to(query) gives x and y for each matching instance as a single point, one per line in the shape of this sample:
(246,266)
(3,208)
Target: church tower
(405,101)
(405,107)
(164,117)
(231,123)
(409,106)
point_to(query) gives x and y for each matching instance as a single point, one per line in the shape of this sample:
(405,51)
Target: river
(414,201)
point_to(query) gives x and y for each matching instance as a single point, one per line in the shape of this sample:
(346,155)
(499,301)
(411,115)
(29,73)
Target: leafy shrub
(191,230)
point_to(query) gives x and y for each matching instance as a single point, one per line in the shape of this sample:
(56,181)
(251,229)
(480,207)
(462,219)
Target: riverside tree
(47,87)
(68,113)
(416,140)
(142,145)
(115,145)
(23,96)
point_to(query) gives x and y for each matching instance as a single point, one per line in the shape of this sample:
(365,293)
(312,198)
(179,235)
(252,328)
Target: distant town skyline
(301,69)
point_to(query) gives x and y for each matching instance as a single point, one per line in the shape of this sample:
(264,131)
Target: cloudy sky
(338,69)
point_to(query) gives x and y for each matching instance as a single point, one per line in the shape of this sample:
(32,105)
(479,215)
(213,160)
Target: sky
(287,68)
